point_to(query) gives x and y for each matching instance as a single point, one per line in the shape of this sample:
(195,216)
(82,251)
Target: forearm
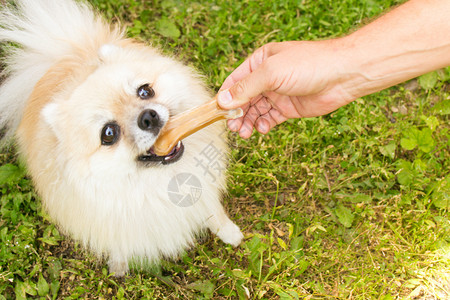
(411,40)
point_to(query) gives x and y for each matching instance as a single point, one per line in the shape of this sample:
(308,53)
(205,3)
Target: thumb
(245,89)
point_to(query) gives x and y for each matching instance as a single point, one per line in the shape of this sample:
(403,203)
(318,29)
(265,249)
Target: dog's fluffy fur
(67,73)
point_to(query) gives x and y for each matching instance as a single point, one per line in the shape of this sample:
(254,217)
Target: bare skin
(301,79)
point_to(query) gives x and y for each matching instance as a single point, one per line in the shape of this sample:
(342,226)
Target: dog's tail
(36,34)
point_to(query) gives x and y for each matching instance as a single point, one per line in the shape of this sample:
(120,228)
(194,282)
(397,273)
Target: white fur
(46,30)
(101,195)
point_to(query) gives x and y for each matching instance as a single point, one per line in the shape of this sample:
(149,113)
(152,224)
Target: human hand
(285,80)
(306,79)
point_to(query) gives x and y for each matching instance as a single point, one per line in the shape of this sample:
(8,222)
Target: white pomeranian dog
(85,105)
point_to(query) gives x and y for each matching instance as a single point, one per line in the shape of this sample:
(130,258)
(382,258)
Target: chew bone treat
(189,122)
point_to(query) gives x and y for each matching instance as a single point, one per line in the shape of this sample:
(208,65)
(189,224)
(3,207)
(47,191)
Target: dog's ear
(108,50)
(51,112)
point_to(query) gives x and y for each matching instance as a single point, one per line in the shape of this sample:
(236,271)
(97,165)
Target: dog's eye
(110,134)
(145,92)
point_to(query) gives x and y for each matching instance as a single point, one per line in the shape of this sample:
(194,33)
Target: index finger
(240,72)
(248,66)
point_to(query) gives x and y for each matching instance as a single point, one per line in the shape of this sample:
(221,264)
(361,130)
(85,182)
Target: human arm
(306,79)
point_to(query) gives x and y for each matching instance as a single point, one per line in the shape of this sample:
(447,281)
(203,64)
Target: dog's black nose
(149,120)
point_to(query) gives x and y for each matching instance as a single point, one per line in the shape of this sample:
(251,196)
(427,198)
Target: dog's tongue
(174,149)
(174,155)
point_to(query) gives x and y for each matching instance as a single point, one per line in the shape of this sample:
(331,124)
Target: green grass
(353,205)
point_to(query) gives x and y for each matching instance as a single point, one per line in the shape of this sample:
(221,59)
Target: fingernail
(263,127)
(233,125)
(246,129)
(224,97)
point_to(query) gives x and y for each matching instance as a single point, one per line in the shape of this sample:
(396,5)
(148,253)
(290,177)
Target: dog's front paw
(118,268)
(230,234)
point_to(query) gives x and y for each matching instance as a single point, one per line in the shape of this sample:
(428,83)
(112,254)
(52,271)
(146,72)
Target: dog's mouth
(173,156)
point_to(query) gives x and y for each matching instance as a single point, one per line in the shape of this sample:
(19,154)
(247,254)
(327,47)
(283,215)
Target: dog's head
(115,112)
